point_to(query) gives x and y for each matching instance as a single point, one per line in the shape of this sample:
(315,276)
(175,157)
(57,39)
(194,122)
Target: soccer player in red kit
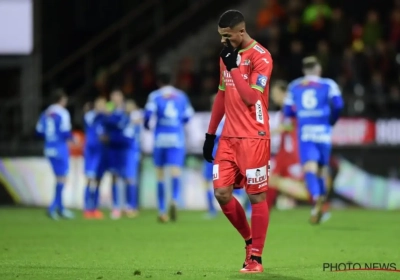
(243,154)
(287,160)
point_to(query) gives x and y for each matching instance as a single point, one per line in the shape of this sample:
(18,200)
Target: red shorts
(242,162)
(287,165)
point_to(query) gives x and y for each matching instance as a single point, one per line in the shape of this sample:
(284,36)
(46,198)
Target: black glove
(229,56)
(208,147)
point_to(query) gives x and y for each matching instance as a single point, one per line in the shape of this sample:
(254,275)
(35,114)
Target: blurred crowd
(360,53)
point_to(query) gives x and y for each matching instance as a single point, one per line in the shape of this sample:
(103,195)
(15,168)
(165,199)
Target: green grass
(35,248)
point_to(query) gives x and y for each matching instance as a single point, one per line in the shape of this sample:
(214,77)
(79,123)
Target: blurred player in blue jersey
(94,155)
(173,110)
(54,126)
(115,124)
(131,159)
(316,103)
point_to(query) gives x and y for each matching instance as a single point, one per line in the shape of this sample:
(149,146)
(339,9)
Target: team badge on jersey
(238,60)
(246,62)
(262,81)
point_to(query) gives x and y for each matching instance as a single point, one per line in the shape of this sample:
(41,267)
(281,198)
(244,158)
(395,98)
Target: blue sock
(88,202)
(312,185)
(322,185)
(96,198)
(210,201)
(161,197)
(131,196)
(115,196)
(176,185)
(53,205)
(57,201)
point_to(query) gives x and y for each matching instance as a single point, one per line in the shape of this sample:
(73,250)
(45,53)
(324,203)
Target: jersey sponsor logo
(168,140)
(257,176)
(262,81)
(259,49)
(246,62)
(228,78)
(215,171)
(259,112)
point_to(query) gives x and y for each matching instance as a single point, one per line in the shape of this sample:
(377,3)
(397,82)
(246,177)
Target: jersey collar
(249,46)
(313,78)
(55,108)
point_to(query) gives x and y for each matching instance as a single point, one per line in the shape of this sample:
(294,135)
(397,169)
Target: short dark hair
(230,19)
(164,78)
(57,95)
(310,62)
(281,84)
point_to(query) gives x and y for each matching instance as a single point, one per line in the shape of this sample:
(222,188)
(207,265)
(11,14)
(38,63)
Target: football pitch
(33,247)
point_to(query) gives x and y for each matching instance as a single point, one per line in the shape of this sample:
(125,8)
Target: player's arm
(189,111)
(149,109)
(337,103)
(250,93)
(40,127)
(218,108)
(65,125)
(288,104)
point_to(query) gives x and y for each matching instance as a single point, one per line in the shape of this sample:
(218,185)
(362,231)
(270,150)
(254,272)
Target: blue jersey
(173,110)
(314,101)
(118,129)
(136,118)
(94,128)
(54,126)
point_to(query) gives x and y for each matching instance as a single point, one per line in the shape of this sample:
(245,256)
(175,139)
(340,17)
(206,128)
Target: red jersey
(255,65)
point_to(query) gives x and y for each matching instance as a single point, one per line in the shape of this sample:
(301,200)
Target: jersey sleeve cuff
(221,88)
(260,89)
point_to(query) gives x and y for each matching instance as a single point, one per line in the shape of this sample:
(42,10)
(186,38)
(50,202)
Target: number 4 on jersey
(170,110)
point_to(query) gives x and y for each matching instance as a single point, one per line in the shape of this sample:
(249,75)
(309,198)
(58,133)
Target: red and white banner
(353,131)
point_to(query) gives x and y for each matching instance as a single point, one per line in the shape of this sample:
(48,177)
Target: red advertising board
(353,131)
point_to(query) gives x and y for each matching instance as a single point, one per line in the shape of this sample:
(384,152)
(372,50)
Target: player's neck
(247,40)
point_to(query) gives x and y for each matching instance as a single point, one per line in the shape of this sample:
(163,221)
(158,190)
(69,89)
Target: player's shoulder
(329,82)
(295,83)
(89,115)
(259,50)
(154,94)
(56,109)
(180,93)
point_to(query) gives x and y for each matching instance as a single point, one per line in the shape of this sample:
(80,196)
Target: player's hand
(229,56)
(208,147)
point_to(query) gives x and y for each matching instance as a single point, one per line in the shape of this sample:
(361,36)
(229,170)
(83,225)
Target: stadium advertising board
(388,132)
(30,182)
(348,131)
